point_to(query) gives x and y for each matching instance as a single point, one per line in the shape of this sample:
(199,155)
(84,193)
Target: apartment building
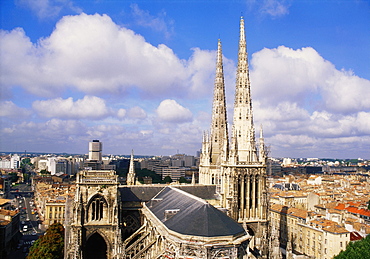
(308,233)
(9,231)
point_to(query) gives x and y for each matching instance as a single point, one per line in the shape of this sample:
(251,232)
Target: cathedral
(222,216)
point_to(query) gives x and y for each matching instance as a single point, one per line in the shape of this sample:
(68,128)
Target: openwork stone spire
(243,138)
(131,172)
(219,134)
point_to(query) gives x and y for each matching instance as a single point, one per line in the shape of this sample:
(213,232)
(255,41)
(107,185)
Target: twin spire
(243,147)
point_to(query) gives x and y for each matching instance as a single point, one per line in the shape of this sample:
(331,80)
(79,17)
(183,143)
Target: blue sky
(139,75)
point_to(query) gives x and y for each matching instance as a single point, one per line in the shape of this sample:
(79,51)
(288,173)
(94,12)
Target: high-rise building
(95,150)
(239,169)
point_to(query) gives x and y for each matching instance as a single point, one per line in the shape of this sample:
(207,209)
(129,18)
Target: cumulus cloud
(304,76)
(121,113)
(137,113)
(203,65)
(170,111)
(301,98)
(304,102)
(93,55)
(9,109)
(90,107)
(53,131)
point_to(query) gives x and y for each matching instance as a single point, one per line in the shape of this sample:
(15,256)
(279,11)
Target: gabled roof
(189,215)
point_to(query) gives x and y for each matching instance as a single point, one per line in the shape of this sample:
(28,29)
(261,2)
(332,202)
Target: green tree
(183,180)
(355,250)
(167,179)
(26,161)
(14,177)
(368,205)
(50,245)
(140,173)
(43,171)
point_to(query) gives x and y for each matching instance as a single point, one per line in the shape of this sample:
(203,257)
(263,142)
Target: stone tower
(94,228)
(239,171)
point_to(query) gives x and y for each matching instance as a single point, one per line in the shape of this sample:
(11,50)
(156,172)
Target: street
(29,220)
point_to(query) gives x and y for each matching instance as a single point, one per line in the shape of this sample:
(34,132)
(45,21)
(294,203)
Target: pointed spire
(131,171)
(219,133)
(262,149)
(244,133)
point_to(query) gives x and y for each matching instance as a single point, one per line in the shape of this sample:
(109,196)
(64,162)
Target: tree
(183,180)
(140,173)
(14,177)
(167,179)
(44,171)
(355,250)
(50,245)
(368,205)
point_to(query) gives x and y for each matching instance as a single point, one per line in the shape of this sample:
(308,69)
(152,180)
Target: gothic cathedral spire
(219,133)
(243,134)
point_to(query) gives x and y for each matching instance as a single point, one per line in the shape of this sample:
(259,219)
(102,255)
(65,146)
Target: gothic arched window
(96,209)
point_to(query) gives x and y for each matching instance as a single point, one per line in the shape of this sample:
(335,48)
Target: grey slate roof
(206,192)
(139,193)
(146,192)
(194,216)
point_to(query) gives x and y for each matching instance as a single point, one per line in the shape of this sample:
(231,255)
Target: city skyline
(141,75)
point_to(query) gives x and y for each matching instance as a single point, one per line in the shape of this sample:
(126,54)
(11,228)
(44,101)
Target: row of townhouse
(51,199)
(307,233)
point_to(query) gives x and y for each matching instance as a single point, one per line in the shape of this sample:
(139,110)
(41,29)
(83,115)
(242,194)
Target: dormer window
(170,213)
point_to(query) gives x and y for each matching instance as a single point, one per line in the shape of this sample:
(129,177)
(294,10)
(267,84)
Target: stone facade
(111,221)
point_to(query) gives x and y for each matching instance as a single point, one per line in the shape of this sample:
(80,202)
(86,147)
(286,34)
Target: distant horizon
(139,155)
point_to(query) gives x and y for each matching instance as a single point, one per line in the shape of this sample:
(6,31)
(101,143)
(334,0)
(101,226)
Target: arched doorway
(96,247)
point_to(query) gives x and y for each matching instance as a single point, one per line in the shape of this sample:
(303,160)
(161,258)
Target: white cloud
(203,66)
(307,105)
(121,113)
(273,8)
(92,54)
(157,23)
(9,109)
(90,107)
(48,8)
(170,111)
(303,76)
(136,113)
(304,103)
